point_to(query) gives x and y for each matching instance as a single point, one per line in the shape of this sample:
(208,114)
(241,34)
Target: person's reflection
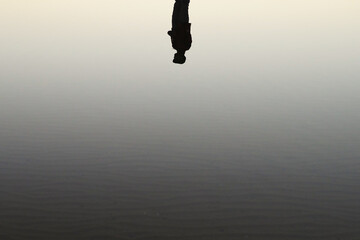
(180,32)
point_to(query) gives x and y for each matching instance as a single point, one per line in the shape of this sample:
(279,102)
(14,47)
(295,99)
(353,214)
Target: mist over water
(256,136)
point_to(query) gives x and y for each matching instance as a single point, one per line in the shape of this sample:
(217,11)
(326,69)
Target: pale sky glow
(89,13)
(123,30)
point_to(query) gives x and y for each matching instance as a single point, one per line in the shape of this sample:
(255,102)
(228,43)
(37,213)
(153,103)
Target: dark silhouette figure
(180,32)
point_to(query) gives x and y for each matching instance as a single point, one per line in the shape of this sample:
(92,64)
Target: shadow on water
(180,32)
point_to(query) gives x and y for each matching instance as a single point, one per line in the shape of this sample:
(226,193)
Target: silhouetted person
(180,31)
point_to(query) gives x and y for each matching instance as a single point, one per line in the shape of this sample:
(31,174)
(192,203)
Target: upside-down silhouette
(180,32)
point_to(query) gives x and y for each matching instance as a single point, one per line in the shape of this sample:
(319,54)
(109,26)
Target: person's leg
(184,11)
(176,13)
(180,12)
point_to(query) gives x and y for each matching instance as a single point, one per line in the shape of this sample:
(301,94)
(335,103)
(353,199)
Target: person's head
(179,58)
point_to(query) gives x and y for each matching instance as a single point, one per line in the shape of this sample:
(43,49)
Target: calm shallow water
(255,137)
